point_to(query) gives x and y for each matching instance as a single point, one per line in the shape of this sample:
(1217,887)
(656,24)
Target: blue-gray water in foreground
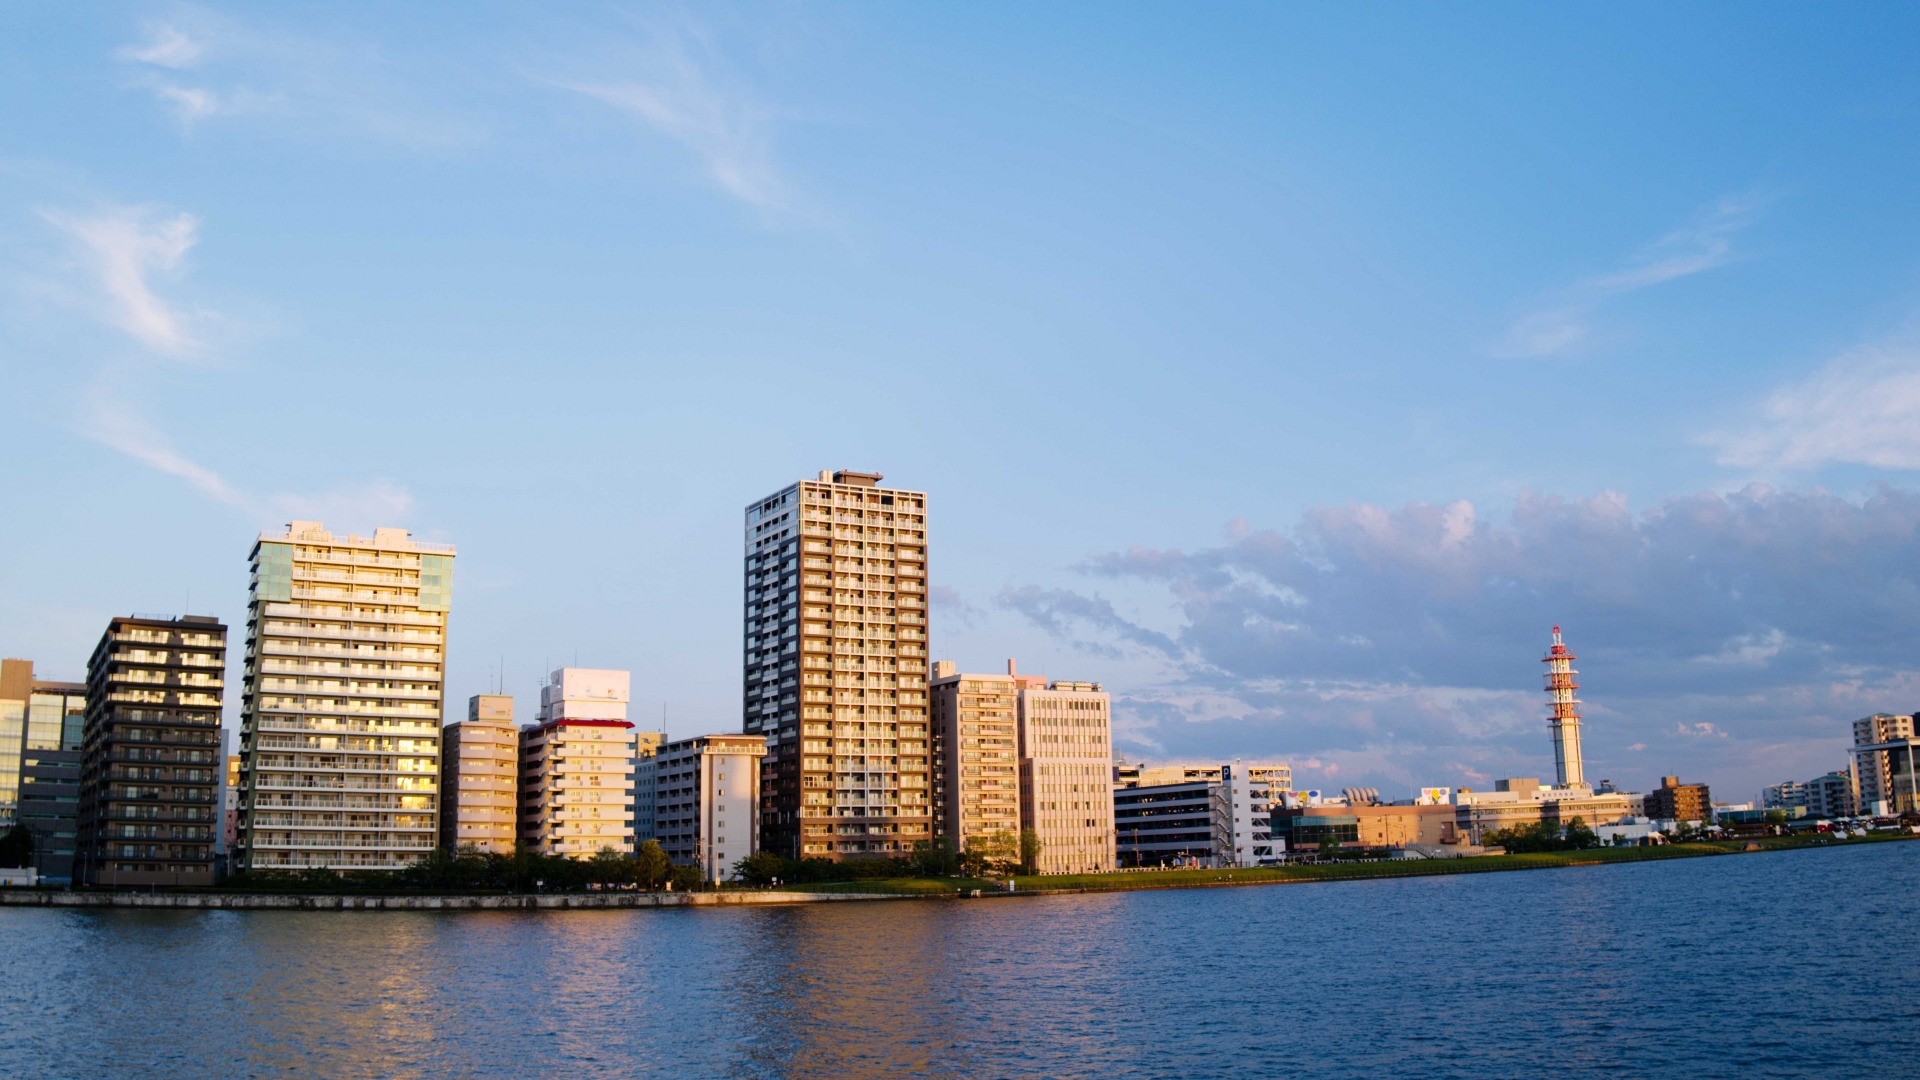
(1798,963)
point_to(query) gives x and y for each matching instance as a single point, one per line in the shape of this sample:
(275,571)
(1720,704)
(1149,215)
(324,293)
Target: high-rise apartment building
(342,699)
(1830,795)
(646,744)
(1066,775)
(576,766)
(1884,750)
(707,801)
(836,647)
(150,757)
(480,777)
(976,746)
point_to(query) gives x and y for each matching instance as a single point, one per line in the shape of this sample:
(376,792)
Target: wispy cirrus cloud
(201,65)
(1564,321)
(679,83)
(124,248)
(1860,408)
(122,260)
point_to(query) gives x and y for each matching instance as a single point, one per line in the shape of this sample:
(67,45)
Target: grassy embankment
(1339,871)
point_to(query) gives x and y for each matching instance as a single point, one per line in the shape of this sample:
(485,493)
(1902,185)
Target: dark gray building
(1184,824)
(151,756)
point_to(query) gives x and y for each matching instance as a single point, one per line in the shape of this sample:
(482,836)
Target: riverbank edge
(350,902)
(916,889)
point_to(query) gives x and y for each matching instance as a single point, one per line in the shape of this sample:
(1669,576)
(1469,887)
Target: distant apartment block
(646,745)
(1675,801)
(342,700)
(150,759)
(836,652)
(707,801)
(1830,795)
(480,777)
(976,744)
(1884,753)
(576,766)
(1066,791)
(1787,793)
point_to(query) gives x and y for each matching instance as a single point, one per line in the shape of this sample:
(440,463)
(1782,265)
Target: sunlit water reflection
(1788,964)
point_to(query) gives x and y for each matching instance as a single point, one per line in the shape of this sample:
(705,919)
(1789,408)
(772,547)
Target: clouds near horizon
(1412,635)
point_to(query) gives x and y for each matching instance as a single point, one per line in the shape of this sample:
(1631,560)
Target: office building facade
(835,672)
(342,699)
(41,727)
(150,754)
(576,766)
(480,777)
(707,801)
(1066,790)
(1188,823)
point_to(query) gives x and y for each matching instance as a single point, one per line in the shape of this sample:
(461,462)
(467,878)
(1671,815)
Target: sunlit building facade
(835,673)
(577,765)
(480,777)
(1066,787)
(342,699)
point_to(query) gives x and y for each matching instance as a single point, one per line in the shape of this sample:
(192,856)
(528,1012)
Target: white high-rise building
(836,661)
(342,699)
(577,765)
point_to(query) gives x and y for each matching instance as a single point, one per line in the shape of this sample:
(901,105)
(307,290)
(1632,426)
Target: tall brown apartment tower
(836,656)
(150,752)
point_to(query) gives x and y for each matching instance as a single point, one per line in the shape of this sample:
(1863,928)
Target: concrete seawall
(301,902)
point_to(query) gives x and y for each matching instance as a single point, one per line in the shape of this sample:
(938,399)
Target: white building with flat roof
(576,766)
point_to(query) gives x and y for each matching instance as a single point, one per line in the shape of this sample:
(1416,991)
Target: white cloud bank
(1861,408)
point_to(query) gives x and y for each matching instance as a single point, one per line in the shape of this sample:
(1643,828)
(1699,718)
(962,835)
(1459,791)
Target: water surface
(1784,964)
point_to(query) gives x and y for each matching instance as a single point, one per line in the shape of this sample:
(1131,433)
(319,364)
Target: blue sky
(1290,370)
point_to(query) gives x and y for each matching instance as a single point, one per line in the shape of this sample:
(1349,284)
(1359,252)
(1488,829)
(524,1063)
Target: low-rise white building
(1255,790)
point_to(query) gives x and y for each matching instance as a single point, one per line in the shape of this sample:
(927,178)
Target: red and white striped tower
(1566,712)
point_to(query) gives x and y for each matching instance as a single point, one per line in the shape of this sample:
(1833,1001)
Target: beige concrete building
(1525,801)
(1306,828)
(341,700)
(1885,748)
(707,801)
(976,745)
(480,777)
(1066,786)
(576,766)
(835,648)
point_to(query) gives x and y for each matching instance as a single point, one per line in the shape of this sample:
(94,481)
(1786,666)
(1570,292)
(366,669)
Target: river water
(1797,963)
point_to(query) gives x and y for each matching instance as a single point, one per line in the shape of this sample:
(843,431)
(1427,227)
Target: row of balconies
(341,650)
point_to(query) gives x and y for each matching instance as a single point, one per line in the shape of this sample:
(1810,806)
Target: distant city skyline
(1289,372)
